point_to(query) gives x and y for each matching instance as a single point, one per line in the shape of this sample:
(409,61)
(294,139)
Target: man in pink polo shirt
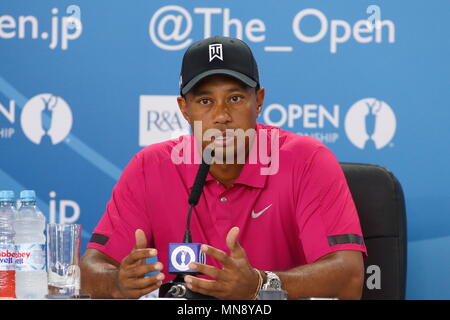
(283,216)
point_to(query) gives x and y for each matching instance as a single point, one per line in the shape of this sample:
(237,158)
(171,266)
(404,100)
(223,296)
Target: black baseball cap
(218,55)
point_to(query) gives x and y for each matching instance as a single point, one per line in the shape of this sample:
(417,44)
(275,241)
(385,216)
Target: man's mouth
(224,140)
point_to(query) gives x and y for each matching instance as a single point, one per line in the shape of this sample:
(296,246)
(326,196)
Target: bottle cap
(6,195)
(28,195)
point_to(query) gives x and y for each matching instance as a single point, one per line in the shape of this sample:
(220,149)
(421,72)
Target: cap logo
(215,51)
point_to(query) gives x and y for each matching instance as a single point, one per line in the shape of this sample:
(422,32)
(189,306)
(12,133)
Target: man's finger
(139,254)
(217,254)
(232,243)
(211,271)
(141,270)
(204,286)
(142,283)
(141,240)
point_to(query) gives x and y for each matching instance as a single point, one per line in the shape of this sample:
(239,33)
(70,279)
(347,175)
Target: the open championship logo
(46,115)
(370,121)
(181,257)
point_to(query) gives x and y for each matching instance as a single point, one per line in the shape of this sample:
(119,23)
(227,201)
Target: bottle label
(7,257)
(30,257)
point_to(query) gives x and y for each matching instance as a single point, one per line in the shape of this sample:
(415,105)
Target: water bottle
(7,248)
(31,271)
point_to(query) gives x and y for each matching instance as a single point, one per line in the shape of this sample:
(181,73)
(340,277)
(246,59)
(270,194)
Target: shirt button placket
(224,220)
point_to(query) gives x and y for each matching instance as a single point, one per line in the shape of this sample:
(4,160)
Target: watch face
(274,284)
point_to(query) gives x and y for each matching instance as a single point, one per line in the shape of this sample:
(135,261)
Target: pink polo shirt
(287,219)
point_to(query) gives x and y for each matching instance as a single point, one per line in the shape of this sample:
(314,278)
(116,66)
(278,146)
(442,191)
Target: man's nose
(221,113)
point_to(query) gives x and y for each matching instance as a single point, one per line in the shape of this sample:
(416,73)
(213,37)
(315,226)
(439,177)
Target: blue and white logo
(181,254)
(181,257)
(46,115)
(160,119)
(370,121)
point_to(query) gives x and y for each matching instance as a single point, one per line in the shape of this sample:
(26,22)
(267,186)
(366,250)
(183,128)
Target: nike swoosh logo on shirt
(257,214)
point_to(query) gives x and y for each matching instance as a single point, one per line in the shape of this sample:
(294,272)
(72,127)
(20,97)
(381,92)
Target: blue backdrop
(84,85)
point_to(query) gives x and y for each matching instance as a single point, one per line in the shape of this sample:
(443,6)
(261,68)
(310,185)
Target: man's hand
(237,279)
(131,281)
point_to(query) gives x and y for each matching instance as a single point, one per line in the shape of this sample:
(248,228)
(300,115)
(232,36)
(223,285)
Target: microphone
(194,197)
(181,254)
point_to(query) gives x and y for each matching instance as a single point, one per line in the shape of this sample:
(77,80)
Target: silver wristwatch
(273,282)
(271,289)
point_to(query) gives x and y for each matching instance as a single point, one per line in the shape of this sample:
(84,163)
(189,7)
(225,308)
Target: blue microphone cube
(151,260)
(181,254)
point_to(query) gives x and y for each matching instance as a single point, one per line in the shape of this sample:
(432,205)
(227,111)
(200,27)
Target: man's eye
(236,98)
(204,101)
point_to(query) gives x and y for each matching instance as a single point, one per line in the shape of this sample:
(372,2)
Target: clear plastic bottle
(31,271)
(7,248)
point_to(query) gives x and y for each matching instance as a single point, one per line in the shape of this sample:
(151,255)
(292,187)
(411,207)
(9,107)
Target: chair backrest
(379,199)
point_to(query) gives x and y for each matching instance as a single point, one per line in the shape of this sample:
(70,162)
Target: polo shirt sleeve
(326,214)
(114,234)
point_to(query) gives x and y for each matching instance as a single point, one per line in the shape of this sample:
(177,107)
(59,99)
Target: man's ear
(259,100)
(183,108)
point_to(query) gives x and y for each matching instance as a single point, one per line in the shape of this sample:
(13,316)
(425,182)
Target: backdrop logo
(315,120)
(181,22)
(68,211)
(367,122)
(160,119)
(171,26)
(370,121)
(63,28)
(46,115)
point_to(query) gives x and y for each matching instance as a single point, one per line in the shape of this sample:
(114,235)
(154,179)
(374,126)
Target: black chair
(379,199)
